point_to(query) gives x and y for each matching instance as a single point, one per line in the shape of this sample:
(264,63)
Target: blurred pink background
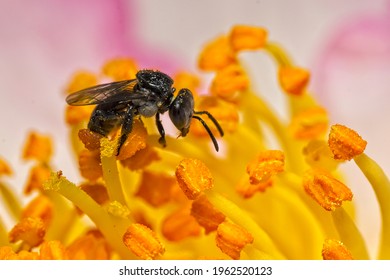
(345,43)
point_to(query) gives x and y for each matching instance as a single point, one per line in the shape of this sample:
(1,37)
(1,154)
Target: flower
(187,201)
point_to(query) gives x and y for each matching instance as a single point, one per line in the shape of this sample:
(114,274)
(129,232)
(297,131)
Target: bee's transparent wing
(100,93)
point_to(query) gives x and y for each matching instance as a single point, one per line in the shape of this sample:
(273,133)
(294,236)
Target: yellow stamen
(335,250)
(90,165)
(229,82)
(30,230)
(293,80)
(38,147)
(216,55)
(81,80)
(309,124)
(143,242)
(265,165)
(120,69)
(193,177)
(156,188)
(345,143)
(38,174)
(244,37)
(231,239)
(90,139)
(180,225)
(206,214)
(117,209)
(326,190)
(52,250)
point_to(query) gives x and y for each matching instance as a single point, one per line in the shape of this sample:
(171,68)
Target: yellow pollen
(52,250)
(326,190)
(5,169)
(206,214)
(90,165)
(38,147)
(216,55)
(180,225)
(30,230)
(81,80)
(345,143)
(244,37)
(193,177)
(335,250)
(265,165)
(143,242)
(293,80)
(120,69)
(231,239)
(309,124)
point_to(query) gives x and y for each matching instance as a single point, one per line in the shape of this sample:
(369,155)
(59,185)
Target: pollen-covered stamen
(38,147)
(120,69)
(90,139)
(5,169)
(91,246)
(243,37)
(216,55)
(345,143)
(180,225)
(141,159)
(231,239)
(6,253)
(52,250)
(325,189)
(38,174)
(97,191)
(135,141)
(335,250)
(247,190)
(30,230)
(143,242)
(206,214)
(293,80)
(265,165)
(90,165)
(193,177)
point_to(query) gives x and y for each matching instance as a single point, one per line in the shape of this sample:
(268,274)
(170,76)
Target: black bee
(150,94)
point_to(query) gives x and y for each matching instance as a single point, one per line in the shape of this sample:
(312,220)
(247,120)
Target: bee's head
(181,111)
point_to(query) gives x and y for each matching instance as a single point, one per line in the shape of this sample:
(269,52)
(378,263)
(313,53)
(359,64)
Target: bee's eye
(181,110)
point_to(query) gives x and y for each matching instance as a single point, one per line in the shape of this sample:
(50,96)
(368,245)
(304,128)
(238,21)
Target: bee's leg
(127,126)
(103,121)
(161,130)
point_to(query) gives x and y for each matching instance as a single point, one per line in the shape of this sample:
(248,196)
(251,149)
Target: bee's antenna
(209,131)
(212,119)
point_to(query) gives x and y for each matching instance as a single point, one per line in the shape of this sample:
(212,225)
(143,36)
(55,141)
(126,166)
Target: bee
(149,94)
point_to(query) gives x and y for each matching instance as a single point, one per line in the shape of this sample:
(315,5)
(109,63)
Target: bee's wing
(100,93)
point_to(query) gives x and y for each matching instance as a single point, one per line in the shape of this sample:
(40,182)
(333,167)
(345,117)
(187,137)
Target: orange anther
(193,177)
(143,242)
(90,165)
(326,190)
(265,165)
(81,80)
(90,139)
(180,225)
(91,246)
(206,214)
(40,207)
(186,80)
(52,250)
(216,55)
(309,124)
(244,37)
(30,230)
(76,114)
(120,69)
(335,250)
(293,80)
(141,158)
(38,174)
(38,147)
(229,82)
(5,169)
(135,141)
(345,143)
(231,239)
(97,191)
(247,190)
